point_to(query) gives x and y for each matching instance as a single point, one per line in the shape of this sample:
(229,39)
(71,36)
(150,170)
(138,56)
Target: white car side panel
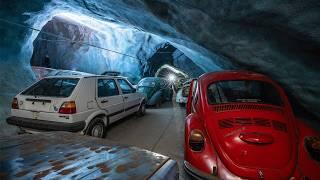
(131,101)
(113,105)
(85,99)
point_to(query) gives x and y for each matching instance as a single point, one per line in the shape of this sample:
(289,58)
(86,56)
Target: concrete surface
(161,130)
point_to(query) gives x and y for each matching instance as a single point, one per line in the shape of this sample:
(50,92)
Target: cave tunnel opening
(77,42)
(74,41)
(81,43)
(71,40)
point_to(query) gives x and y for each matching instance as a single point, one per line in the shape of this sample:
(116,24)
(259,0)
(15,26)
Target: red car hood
(254,139)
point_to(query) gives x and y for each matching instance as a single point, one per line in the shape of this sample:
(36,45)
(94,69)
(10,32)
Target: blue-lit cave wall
(85,46)
(277,38)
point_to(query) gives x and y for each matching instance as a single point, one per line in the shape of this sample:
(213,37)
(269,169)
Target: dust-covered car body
(65,155)
(157,90)
(182,95)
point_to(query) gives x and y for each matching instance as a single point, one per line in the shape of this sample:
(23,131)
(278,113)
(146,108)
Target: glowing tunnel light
(172,77)
(171,68)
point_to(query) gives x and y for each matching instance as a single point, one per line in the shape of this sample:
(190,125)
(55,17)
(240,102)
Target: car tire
(142,109)
(97,128)
(182,104)
(158,104)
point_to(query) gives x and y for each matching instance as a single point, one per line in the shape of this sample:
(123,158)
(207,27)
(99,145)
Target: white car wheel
(97,128)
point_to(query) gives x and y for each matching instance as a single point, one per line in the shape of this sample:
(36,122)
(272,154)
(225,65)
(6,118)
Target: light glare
(172,77)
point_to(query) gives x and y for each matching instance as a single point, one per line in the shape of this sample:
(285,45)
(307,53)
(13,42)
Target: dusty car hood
(252,139)
(64,155)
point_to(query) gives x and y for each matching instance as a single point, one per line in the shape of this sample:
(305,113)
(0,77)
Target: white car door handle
(104,101)
(126,97)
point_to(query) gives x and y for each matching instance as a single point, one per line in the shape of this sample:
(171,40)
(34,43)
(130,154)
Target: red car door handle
(104,101)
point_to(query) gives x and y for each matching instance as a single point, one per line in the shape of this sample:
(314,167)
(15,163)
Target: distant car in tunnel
(240,125)
(86,104)
(111,73)
(178,84)
(156,89)
(182,95)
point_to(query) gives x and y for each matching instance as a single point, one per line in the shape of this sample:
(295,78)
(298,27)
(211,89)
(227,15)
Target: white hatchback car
(86,104)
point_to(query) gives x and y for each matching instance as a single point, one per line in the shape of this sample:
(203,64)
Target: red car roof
(208,78)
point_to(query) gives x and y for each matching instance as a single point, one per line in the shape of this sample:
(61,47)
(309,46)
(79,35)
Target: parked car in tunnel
(111,73)
(240,125)
(178,84)
(156,89)
(75,103)
(182,95)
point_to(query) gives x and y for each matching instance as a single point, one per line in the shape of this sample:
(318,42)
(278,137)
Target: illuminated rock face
(63,52)
(280,39)
(93,49)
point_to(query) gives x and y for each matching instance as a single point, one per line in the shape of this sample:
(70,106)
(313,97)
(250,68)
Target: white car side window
(125,86)
(107,87)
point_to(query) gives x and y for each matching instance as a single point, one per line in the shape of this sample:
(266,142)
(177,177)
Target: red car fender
(306,165)
(205,160)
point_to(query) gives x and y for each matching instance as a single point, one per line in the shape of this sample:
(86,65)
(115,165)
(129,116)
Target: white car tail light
(68,107)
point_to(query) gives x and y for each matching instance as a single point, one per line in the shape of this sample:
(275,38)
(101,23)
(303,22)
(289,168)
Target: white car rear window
(52,87)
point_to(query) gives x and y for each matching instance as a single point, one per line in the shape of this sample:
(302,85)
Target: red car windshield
(243,91)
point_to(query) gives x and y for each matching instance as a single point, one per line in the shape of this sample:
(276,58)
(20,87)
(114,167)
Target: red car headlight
(196,140)
(312,145)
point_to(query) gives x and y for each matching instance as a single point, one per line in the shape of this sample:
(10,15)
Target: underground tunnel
(160,46)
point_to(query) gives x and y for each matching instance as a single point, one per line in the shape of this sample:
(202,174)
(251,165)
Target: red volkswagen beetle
(240,125)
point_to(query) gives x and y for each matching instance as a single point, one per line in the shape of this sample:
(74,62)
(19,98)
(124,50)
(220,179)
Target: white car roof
(87,76)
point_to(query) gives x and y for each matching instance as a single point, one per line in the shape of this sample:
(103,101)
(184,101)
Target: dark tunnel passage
(69,42)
